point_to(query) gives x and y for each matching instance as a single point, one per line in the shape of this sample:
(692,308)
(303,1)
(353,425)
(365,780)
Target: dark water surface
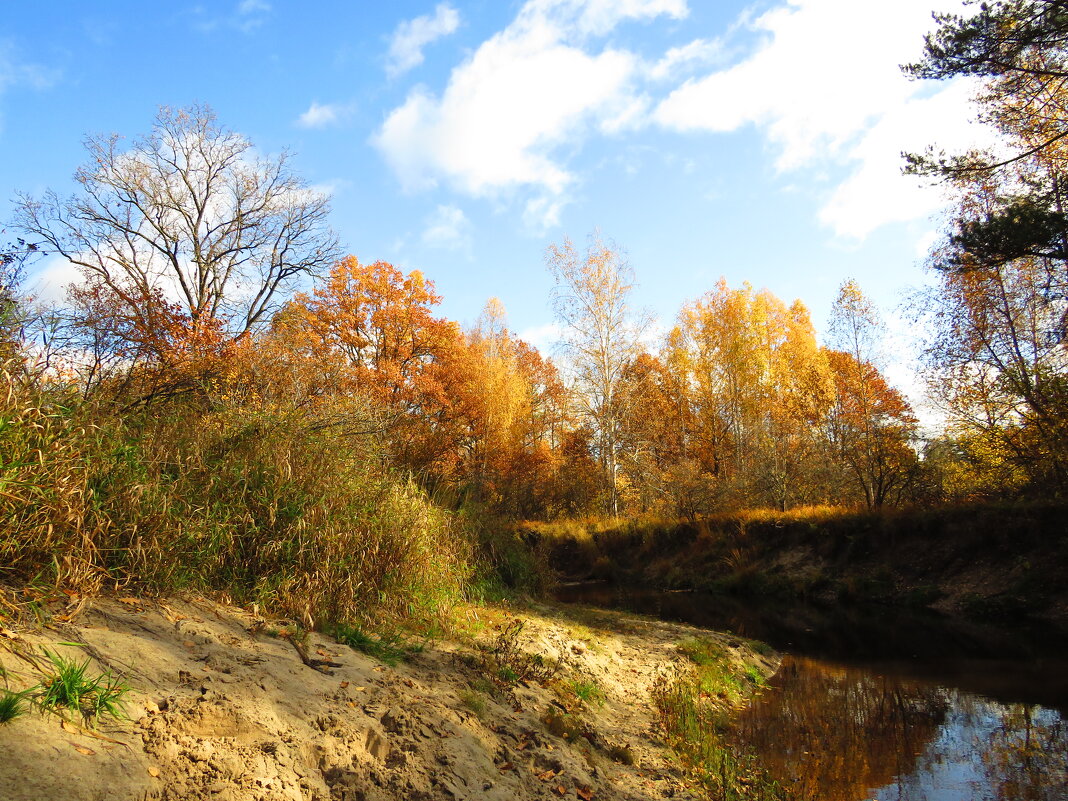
(889,704)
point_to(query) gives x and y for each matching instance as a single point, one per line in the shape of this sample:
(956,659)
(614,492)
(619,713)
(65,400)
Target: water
(891,705)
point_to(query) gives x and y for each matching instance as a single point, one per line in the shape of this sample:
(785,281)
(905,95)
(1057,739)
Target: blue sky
(757,141)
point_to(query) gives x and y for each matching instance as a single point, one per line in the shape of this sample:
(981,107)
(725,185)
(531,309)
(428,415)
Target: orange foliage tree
(375,328)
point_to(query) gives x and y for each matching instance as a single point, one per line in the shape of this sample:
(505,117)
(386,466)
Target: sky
(757,141)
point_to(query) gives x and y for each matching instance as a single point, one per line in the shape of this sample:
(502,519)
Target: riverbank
(539,702)
(986,561)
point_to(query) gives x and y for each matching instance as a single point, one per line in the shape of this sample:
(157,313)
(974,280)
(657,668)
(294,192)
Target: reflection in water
(894,707)
(845,734)
(988,750)
(831,732)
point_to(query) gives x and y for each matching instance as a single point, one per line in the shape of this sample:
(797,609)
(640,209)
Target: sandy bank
(222,710)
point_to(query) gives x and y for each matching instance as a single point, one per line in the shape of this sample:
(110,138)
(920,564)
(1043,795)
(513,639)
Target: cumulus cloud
(818,78)
(524,92)
(49,281)
(448,228)
(823,84)
(699,52)
(875,193)
(411,36)
(321,115)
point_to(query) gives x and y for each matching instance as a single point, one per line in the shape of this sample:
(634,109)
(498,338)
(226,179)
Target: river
(893,705)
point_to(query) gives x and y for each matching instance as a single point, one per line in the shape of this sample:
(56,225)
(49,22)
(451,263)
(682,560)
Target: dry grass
(246,498)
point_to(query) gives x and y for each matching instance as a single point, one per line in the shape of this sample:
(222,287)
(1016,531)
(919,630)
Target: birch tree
(601,333)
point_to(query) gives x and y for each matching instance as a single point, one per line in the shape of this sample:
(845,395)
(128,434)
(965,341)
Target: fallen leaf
(67,727)
(128,601)
(585,793)
(83,750)
(549,774)
(352,704)
(344,684)
(189,644)
(560,789)
(8,633)
(360,689)
(153,771)
(506,766)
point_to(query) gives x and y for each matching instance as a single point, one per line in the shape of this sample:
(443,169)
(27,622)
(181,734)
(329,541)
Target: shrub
(269,502)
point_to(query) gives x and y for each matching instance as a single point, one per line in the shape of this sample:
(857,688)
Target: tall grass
(256,499)
(693,709)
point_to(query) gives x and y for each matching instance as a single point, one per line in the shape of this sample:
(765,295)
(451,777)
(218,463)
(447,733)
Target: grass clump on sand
(505,662)
(587,692)
(390,648)
(693,708)
(68,685)
(12,706)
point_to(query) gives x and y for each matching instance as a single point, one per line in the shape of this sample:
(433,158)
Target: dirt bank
(987,561)
(220,709)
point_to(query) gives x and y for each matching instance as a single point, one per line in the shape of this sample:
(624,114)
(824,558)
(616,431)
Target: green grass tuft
(70,687)
(12,705)
(390,649)
(587,692)
(702,652)
(474,700)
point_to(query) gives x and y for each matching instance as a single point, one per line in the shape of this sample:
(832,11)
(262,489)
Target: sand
(220,709)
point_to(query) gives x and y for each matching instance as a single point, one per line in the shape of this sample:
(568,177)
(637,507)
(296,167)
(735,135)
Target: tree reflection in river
(1026,756)
(1002,752)
(833,732)
(845,734)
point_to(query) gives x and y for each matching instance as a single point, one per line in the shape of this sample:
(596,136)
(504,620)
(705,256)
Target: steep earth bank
(987,561)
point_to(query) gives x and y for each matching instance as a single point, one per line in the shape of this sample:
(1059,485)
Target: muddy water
(881,704)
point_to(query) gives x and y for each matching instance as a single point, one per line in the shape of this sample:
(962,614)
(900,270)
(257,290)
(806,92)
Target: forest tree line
(196,254)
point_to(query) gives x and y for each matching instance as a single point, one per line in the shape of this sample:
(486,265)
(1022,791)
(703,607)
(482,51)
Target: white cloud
(598,17)
(543,337)
(48,283)
(321,115)
(697,52)
(448,228)
(14,71)
(411,36)
(522,94)
(924,243)
(247,16)
(247,7)
(875,193)
(331,188)
(542,213)
(824,85)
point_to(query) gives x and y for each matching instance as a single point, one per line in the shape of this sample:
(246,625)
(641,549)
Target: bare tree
(189,215)
(601,336)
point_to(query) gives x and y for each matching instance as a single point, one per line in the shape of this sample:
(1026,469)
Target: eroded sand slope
(221,710)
